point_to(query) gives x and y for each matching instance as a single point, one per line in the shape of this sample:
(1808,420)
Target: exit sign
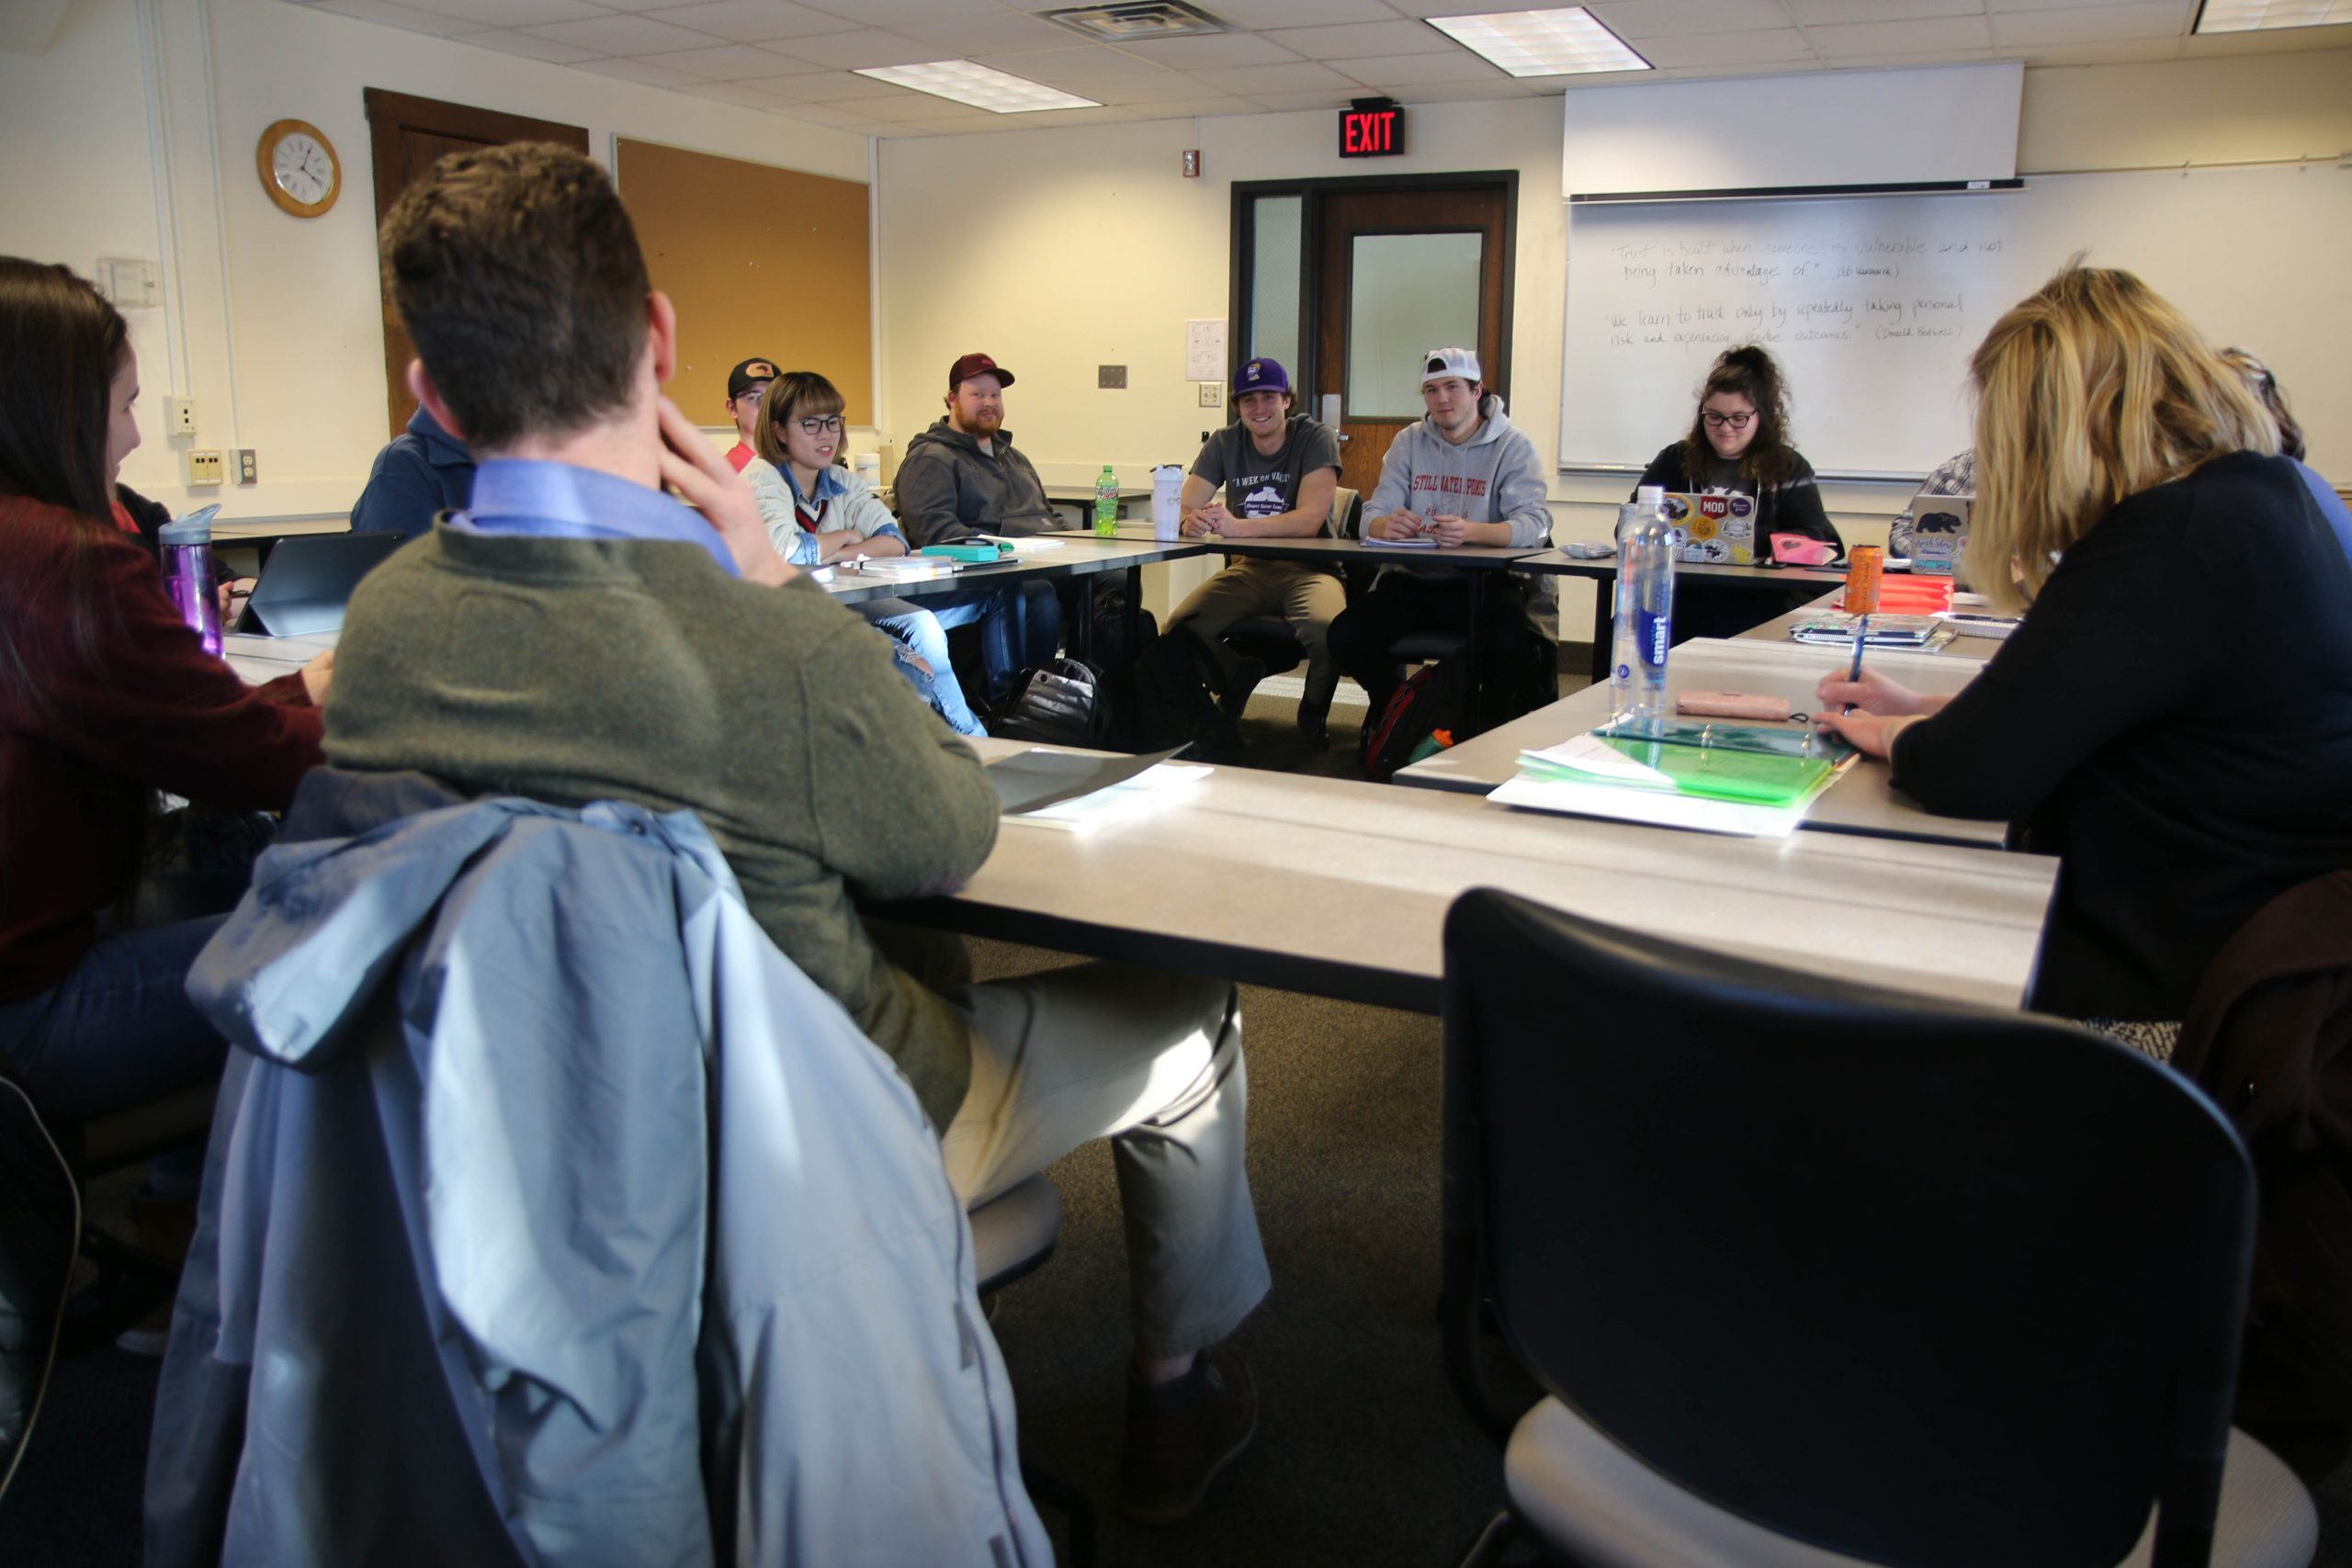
(1372,131)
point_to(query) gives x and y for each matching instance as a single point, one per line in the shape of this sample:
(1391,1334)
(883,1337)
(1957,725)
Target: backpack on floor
(1060,703)
(1437,696)
(1177,700)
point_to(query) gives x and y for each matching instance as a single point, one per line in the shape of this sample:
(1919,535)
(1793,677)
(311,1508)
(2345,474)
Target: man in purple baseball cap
(1278,471)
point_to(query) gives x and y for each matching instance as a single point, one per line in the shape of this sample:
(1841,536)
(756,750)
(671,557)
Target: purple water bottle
(186,545)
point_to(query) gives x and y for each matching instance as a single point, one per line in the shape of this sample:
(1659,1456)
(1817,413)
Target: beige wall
(132,134)
(1057,251)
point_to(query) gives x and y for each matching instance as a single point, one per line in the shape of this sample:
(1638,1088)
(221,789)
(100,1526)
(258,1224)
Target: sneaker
(1181,1433)
(1314,718)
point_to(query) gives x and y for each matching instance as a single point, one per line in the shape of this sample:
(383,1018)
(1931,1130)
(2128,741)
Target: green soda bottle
(1106,502)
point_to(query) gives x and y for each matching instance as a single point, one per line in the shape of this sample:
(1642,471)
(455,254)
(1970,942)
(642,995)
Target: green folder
(1715,771)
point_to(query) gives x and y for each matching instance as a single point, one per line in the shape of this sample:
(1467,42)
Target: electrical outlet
(248,467)
(1211,394)
(203,468)
(179,416)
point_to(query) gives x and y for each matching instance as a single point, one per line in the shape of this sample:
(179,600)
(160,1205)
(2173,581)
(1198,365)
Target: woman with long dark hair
(105,698)
(1738,442)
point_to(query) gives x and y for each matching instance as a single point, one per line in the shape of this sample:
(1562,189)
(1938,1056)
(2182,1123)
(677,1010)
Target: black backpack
(1436,696)
(1178,688)
(1060,703)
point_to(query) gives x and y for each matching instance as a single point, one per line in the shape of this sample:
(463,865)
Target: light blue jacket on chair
(552,1216)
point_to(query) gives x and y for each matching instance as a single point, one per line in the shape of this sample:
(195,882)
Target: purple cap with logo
(1261,376)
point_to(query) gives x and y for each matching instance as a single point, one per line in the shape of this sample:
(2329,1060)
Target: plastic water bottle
(187,548)
(1645,550)
(1106,502)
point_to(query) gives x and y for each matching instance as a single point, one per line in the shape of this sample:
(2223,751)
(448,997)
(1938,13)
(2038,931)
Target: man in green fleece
(576,634)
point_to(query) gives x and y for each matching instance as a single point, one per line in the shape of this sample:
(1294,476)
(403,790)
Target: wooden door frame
(1306,373)
(387,113)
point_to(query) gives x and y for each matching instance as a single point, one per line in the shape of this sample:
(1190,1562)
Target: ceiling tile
(1417,70)
(2263,40)
(1823,13)
(512,13)
(1904,60)
(1209,53)
(530,47)
(867,46)
(834,87)
(1259,15)
(640,71)
(1072,67)
(739,93)
(2115,51)
(1632,19)
(754,21)
(1517,87)
(1289,102)
(1104,116)
(915,110)
(890,13)
(1160,87)
(968,124)
(408,18)
(1296,77)
(1732,48)
(1363,40)
(1928,35)
(965,38)
(731,63)
(1998,6)
(624,35)
(832,114)
(2094,24)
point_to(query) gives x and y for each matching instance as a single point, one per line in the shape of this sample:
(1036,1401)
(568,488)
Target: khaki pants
(1153,1061)
(1308,597)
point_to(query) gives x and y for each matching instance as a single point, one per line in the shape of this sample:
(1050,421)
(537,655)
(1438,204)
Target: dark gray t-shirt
(1259,486)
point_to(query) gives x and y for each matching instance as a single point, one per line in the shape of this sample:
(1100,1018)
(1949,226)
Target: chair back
(1906,1280)
(1347,513)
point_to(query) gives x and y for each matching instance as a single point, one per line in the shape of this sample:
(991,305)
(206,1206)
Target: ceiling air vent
(1136,21)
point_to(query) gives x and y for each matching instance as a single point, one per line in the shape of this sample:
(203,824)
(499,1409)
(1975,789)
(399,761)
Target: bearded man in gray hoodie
(1462,476)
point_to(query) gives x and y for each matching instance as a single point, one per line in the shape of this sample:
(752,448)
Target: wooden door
(1360,232)
(408,136)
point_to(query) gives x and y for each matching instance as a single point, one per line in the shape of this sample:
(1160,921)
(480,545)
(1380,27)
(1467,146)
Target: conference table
(1602,574)
(849,583)
(1340,889)
(1862,801)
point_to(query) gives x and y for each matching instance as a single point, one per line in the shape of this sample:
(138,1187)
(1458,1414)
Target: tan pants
(1306,597)
(1152,1061)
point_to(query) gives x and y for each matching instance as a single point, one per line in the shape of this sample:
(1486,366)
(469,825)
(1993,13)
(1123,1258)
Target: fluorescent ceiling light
(995,91)
(2250,15)
(1541,44)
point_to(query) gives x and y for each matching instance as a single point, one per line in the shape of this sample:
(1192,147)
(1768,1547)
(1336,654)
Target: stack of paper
(1672,785)
(908,568)
(1078,791)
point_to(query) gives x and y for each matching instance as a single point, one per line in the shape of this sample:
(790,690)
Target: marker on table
(1864,564)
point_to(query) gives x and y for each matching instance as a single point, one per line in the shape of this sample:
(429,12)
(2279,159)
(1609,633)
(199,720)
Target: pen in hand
(1862,567)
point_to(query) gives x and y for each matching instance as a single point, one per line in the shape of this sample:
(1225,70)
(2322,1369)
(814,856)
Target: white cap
(1649,495)
(1439,362)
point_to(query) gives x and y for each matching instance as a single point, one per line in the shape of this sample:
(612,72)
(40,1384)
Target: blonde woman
(2174,718)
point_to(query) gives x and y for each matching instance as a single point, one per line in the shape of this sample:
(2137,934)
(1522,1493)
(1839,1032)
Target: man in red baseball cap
(960,477)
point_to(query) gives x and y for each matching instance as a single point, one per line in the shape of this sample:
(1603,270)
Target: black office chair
(1269,639)
(1817,1274)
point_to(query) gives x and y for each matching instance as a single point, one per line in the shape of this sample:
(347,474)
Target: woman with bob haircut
(818,511)
(106,697)
(2173,717)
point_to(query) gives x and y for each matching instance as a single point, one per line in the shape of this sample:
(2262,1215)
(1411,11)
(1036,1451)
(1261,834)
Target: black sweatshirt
(2175,719)
(1792,506)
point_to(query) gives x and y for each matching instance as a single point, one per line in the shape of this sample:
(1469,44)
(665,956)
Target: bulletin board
(760,262)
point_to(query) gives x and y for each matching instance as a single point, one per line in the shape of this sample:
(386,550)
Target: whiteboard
(1873,305)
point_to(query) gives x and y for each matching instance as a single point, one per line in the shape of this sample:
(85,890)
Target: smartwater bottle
(187,548)
(1645,550)
(1106,502)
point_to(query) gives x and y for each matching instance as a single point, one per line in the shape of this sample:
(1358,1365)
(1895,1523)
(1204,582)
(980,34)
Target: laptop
(308,580)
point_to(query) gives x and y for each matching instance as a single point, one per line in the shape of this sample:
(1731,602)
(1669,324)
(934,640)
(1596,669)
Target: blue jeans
(1020,628)
(918,630)
(119,1029)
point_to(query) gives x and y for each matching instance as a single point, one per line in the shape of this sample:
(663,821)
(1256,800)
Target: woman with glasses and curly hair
(105,698)
(1738,442)
(2173,717)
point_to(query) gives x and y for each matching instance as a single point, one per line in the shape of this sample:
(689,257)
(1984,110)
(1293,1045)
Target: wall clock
(299,167)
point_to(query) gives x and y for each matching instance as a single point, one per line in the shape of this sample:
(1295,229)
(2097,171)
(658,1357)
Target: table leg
(1478,699)
(1081,626)
(1135,611)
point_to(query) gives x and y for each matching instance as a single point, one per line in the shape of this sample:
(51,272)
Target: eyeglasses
(829,425)
(753,395)
(1736,421)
